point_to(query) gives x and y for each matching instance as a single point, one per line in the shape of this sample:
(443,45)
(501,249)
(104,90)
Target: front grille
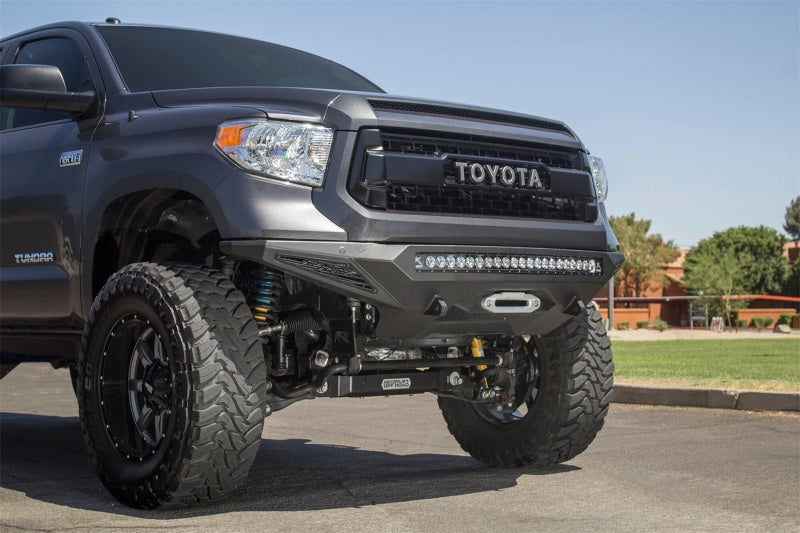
(487,201)
(436,146)
(471,114)
(433,184)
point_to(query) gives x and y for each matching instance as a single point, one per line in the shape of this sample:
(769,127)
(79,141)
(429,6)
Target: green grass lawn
(742,364)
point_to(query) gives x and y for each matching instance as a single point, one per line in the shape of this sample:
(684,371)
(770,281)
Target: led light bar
(513,264)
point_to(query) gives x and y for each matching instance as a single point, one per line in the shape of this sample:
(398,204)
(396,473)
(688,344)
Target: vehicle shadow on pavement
(44,458)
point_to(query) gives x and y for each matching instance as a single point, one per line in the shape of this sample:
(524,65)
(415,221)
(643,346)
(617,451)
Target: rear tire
(566,409)
(172,385)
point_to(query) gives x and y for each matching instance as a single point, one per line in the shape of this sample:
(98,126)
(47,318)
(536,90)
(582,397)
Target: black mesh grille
(340,272)
(473,114)
(429,145)
(486,201)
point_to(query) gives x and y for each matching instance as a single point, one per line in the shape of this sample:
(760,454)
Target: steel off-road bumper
(409,296)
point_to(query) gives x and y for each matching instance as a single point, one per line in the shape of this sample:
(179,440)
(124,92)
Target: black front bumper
(387,276)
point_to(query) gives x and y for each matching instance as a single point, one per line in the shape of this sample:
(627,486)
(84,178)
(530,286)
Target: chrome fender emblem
(70,159)
(36,257)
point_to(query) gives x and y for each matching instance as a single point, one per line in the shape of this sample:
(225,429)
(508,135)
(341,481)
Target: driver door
(42,171)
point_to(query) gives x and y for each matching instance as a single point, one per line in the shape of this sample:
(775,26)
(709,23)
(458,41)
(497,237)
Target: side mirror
(41,87)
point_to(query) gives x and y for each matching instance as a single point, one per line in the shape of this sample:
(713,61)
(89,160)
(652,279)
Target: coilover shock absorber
(263,289)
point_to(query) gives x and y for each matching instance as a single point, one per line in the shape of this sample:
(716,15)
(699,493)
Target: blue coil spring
(263,289)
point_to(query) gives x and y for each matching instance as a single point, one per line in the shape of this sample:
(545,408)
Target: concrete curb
(712,398)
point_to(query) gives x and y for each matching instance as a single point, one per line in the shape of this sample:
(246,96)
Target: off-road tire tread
(227,382)
(574,396)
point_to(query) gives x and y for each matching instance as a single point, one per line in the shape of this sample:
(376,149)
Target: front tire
(572,379)
(172,385)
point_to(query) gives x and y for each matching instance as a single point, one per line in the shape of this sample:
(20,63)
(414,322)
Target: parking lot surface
(389,464)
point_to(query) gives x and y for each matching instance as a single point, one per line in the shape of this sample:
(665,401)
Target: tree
(791,225)
(792,285)
(758,251)
(645,255)
(742,260)
(717,276)
(791,222)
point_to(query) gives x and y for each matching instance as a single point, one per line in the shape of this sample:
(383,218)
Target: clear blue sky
(694,106)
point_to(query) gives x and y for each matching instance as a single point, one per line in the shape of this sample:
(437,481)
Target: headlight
(600,177)
(289,151)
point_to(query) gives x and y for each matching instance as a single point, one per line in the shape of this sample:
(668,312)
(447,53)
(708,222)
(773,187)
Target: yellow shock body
(477,351)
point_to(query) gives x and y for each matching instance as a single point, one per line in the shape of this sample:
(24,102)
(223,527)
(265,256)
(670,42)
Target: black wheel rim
(526,391)
(136,387)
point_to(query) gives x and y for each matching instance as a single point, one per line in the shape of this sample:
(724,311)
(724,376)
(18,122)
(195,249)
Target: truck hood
(352,111)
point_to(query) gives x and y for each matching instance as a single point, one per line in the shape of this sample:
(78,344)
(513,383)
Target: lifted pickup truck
(206,229)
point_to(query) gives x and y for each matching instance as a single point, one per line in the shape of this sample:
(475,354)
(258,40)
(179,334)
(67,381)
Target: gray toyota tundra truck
(206,229)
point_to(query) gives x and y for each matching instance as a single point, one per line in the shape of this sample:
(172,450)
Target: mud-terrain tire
(172,388)
(565,410)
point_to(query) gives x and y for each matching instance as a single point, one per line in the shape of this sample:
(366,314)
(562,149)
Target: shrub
(642,324)
(741,323)
(623,325)
(759,322)
(785,319)
(768,321)
(660,325)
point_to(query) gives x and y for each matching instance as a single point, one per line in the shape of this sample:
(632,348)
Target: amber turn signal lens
(229,136)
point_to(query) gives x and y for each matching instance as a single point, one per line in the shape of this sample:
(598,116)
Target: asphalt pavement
(389,464)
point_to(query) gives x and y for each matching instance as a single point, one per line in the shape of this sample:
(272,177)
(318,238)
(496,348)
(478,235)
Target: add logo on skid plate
(396,384)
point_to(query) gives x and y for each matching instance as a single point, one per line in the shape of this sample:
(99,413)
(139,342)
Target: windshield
(154,59)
